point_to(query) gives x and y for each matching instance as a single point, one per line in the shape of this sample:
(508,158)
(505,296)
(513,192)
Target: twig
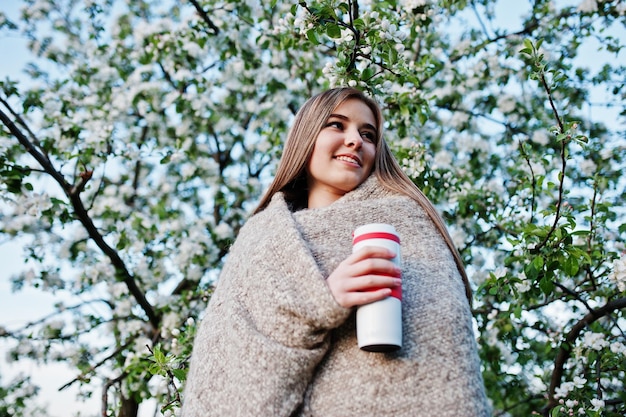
(171,381)
(73,193)
(559,202)
(205,17)
(84,374)
(20,121)
(105,392)
(565,350)
(480,20)
(533,179)
(592,217)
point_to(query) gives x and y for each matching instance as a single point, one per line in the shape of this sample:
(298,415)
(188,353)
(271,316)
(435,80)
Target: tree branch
(93,368)
(20,121)
(45,163)
(47,317)
(205,17)
(72,191)
(557,214)
(565,349)
(105,392)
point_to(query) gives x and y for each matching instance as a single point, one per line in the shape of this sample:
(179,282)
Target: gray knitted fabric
(274,342)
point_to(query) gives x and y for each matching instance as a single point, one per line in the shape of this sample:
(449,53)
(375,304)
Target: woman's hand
(364,277)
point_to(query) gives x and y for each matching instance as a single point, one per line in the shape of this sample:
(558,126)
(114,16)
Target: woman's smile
(351,159)
(344,153)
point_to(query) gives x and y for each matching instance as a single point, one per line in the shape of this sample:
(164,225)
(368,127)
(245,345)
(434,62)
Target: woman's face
(343,156)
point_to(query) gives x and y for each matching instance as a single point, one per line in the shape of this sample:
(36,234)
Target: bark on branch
(205,17)
(565,350)
(73,193)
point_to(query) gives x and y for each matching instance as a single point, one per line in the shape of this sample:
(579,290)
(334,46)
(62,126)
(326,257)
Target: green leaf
(571,266)
(529,44)
(180,374)
(367,73)
(166,159)
(526,51)
(344,7)
(159,356)
(155,369)
(333,31)
(546,285)
(538,44)
(311,34)
(556,411)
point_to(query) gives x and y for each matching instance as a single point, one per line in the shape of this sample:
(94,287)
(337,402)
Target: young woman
(278,337)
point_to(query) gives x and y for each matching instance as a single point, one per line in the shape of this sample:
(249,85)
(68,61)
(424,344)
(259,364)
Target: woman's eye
(369,136)
(337,125)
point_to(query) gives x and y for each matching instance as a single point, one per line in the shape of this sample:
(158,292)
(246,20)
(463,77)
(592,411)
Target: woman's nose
(353,138)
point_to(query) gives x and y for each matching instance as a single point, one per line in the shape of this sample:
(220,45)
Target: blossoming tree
(148,130)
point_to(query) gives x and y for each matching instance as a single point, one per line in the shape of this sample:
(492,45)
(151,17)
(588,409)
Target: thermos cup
(379,324)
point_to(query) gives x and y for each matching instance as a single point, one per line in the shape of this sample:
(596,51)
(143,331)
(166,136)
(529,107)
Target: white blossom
(495,186)
(595,341)
(500,272)
(141,344)
(468,144)
(579,382)
(607,152)
(458,237)
(459,118)
(618,348)
(618,273)
(563,390)
(123,307)
(506,103)
(223,231)
(169,324)
(463,47)
(540,137)
(588,6)
(597,404)
(414,4)
(524,285)
(442,160)
(188,170)
(588,167)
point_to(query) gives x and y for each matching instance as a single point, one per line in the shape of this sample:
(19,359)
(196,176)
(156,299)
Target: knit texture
(274,342)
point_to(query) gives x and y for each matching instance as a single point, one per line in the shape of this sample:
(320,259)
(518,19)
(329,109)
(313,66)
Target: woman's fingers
(375,266)
(371,252)
(373,260)
(364,277)
(351,299)
(371,282)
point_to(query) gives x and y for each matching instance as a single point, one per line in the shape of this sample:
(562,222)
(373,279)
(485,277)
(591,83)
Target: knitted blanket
(274,342)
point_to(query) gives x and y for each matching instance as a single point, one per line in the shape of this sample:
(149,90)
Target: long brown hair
(290,176)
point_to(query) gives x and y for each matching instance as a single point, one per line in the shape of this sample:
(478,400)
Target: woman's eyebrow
(338,116)
(342,117)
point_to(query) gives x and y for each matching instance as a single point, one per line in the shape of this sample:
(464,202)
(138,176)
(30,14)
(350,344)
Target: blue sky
(30,304)
(27,305)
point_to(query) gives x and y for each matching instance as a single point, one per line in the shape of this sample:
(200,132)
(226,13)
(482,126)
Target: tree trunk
(129,408)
